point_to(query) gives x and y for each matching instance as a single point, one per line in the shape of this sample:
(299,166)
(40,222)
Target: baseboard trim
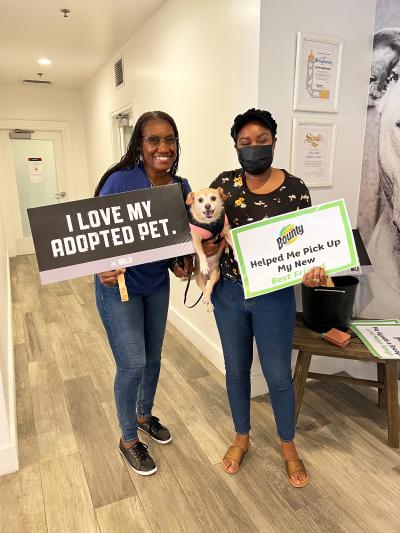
(210,350)
(214,354)
(318,364)
(258,385)
(8,460)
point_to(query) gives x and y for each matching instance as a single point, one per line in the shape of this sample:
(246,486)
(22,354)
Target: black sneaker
(157,431)
(139,459)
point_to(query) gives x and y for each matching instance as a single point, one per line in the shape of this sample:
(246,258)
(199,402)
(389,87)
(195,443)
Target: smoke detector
(37,82)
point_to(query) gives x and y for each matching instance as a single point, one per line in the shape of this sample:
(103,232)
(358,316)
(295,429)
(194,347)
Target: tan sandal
(295,466)
(234,453)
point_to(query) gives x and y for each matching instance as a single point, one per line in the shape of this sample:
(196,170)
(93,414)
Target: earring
(140,157)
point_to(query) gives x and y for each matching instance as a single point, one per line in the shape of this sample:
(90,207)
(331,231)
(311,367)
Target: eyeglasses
(155,140)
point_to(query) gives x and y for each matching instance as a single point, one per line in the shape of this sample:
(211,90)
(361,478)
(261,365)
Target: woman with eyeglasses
(256,191)
(136,328)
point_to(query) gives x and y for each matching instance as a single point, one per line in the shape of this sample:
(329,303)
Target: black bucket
(329,307)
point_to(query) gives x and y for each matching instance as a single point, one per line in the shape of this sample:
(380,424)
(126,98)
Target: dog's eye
(213,198)
(200,200)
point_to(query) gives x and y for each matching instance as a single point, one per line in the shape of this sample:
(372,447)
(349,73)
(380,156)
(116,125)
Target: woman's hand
(187,267)
(109,278)
(211,246)
(315,277)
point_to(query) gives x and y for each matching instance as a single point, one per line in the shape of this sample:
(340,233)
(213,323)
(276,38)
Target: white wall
(189,61)
(353,22)
(198,61)
(41,104)
(8,446)
(51,104)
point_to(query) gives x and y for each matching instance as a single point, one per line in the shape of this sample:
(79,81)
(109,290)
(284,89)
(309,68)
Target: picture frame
(317,73)
(313,150)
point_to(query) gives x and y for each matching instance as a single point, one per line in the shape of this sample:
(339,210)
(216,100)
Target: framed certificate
(318,69)
(313,148)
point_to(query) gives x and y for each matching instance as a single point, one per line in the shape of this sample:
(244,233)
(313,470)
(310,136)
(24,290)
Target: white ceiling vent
(38,82)
(119,73)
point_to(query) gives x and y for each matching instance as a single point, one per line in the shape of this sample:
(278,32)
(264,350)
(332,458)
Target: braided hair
(132,156)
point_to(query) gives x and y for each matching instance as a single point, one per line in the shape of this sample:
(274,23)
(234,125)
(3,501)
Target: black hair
(254,115)
(132,156)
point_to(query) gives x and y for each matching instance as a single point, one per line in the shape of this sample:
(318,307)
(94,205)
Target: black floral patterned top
(243,206)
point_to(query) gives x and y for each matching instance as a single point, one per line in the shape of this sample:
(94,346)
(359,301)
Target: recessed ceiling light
(44,61)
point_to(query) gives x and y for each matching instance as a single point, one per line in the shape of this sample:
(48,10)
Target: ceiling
(77,45)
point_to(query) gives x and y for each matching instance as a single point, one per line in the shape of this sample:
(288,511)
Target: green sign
(275,253)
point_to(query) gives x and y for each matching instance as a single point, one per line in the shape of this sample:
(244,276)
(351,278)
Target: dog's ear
(222,194)
(190,198)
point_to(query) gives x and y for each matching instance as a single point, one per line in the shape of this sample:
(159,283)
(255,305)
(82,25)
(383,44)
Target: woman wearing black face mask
(256,191)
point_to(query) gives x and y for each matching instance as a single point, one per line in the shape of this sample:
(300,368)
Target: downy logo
(289,234)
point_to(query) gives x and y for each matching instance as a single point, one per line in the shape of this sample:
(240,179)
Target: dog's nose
(207,206)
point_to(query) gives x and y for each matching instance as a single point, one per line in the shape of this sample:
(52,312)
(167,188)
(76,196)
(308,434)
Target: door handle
(60,194)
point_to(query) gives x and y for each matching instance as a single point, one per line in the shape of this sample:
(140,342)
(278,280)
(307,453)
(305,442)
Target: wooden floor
(72,478)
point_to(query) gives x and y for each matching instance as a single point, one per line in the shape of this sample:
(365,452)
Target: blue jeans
(270,319)
(135,331)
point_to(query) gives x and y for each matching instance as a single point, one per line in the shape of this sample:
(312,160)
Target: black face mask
(256,159)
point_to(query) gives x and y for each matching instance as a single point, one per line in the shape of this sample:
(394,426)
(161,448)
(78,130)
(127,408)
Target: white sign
(35,169)
(382,338)
(275,253)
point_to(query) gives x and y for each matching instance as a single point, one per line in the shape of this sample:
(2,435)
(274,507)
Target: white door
(40,180)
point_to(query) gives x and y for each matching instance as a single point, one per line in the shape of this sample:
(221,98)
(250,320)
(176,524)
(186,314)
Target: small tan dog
(207,219)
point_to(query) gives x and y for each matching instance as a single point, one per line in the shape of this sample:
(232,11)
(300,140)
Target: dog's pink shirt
(205,233)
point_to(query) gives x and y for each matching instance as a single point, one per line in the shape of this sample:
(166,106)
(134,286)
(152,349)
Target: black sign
(74,239)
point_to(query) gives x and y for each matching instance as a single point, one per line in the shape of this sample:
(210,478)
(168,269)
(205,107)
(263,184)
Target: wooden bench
(310,343)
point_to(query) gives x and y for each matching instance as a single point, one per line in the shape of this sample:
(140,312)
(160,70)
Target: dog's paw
(204,269)
(206,300)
